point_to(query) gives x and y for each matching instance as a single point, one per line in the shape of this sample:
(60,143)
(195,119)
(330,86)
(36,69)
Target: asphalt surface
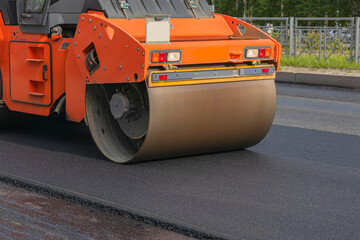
(27,215)
(301,182)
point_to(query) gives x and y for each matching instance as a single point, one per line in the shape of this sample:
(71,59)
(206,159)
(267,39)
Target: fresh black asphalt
(299,183)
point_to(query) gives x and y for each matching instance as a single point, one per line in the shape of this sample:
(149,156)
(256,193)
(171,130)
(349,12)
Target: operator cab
(31,12)
(8,11)
(40,16)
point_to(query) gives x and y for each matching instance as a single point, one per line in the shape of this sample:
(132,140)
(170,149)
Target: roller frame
(187,116)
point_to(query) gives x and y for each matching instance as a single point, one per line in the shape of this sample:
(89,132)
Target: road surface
(301,182)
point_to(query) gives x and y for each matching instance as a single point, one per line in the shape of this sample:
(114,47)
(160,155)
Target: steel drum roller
(187,119)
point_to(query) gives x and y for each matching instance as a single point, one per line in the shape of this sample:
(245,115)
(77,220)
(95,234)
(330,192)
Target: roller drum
(188,119)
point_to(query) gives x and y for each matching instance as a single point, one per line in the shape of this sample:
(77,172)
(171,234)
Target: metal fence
(278,28)
(318,37)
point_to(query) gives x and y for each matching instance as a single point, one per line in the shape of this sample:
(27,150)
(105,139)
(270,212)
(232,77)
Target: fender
(252,32)
(121,60)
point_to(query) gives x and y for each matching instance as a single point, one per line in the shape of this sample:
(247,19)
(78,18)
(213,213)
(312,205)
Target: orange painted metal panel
(75,89)
(29,83)
(121,57)
(13,33)
(188,29)
(205,52)
(233,24)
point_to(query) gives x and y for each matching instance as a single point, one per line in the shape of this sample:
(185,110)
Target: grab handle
(45,68)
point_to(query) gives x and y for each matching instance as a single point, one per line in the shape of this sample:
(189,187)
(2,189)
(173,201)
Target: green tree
(296,8)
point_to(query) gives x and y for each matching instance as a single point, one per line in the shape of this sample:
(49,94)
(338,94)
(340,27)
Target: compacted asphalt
(28,215)
(301,182)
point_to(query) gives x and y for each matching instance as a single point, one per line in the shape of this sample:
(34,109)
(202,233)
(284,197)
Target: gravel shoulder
(325,71)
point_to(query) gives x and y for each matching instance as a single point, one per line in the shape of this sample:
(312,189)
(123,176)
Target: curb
(340,81)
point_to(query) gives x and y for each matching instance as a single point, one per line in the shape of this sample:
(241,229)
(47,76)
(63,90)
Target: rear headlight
(252,53)
(167,56)
(173,57)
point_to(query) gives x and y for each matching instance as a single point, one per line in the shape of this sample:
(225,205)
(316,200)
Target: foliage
(287,8)
(275,35)
(338,62)
(337,45)
(312,40)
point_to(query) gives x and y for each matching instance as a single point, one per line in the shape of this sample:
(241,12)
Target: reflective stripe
(212,74)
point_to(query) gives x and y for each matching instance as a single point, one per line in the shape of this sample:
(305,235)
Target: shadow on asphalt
(50,133)
(58,135)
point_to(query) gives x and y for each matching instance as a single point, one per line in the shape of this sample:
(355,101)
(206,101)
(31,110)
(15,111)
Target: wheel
(118,118)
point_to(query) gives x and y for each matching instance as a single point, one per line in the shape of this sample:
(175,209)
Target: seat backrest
(8,10)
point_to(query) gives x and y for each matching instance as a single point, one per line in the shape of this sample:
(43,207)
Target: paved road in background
(301,182)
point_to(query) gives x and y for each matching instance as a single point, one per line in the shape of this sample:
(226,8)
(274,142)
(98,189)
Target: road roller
(152,79)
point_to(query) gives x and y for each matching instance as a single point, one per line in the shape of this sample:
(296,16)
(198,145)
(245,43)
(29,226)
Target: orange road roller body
(148,85)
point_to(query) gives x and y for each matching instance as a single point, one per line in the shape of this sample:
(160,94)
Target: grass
(336,62)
